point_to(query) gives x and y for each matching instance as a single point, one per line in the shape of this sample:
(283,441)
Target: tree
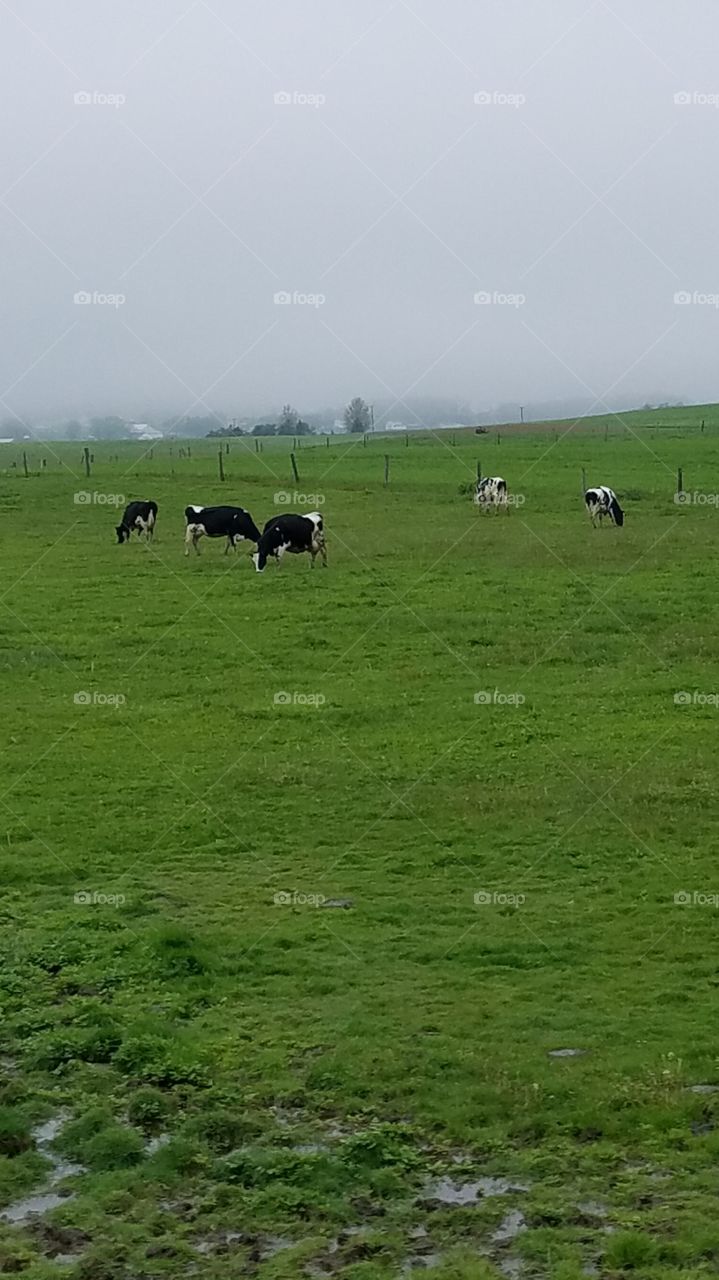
(109,428)
(287,425)
(357,415)
(264,429)
(71,430)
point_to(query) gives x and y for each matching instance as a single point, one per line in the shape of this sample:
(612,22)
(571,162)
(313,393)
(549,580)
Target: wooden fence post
(294,468)
(680,480)
(584,482)
(386,469)
(24,462)
(219,461)
(86,452)
(479,471)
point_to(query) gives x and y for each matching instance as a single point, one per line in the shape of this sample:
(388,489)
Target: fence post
(219,462)
(680,480)
(257,445)
(86,452)
(584,482)
(24,462)
(386,469)
(479,471)
(294,468)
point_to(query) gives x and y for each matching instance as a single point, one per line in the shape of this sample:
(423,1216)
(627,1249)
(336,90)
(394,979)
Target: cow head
(123,533)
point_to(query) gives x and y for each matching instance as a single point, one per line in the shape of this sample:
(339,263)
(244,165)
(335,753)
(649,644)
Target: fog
(488,200)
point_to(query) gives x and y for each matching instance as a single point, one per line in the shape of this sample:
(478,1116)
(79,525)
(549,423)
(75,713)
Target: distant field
(529,871)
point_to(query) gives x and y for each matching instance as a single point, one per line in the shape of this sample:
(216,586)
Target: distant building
(143,431)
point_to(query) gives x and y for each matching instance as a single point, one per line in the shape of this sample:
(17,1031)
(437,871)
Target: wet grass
(256,1083)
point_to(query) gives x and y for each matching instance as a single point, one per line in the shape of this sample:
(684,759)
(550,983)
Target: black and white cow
(294,534)
(491,492)
(140,516)
(602,501)
(232,523)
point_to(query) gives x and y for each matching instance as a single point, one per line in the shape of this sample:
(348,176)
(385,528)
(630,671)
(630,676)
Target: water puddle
(343,903)
(567,1053)
(156,1144)
(509,1228)
(702,1088)
(22,1210)
(592,1208)
(449,1192)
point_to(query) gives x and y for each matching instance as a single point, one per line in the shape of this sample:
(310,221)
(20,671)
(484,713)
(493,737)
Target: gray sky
(382,191)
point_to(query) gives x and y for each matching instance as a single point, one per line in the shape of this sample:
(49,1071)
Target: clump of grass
(631,1250)
(15,1134)
(114,1148)
(148,1108)
(178,953)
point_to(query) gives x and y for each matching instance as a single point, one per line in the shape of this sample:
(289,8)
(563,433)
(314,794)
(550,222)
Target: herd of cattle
(281,533)
(295,534)
(491,494)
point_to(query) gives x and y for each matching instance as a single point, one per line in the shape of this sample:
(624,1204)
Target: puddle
(310,1148)
(156,1144)
(344,903)
(421,1261)
(701,1088)
(593,1208)
(273,1245)
(43,1135)
(567,1053)
(511,1266)
(509,1228)
(449,1192)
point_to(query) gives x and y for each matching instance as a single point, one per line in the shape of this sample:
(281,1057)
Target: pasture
(255,1081)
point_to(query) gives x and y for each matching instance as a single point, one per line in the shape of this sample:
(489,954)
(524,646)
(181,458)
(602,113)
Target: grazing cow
(140,516)
(232,523)
(491,492)
(294,534)
(601,502)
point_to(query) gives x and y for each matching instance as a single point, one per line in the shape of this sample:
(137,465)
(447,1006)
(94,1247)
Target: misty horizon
(212,212)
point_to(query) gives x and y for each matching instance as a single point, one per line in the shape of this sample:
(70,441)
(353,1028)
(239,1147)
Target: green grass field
(257,1086)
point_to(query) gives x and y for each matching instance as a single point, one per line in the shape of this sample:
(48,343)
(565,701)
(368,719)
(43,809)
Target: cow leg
(229,544)
(188,540)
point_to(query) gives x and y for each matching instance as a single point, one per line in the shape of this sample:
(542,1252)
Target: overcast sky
(382,197)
